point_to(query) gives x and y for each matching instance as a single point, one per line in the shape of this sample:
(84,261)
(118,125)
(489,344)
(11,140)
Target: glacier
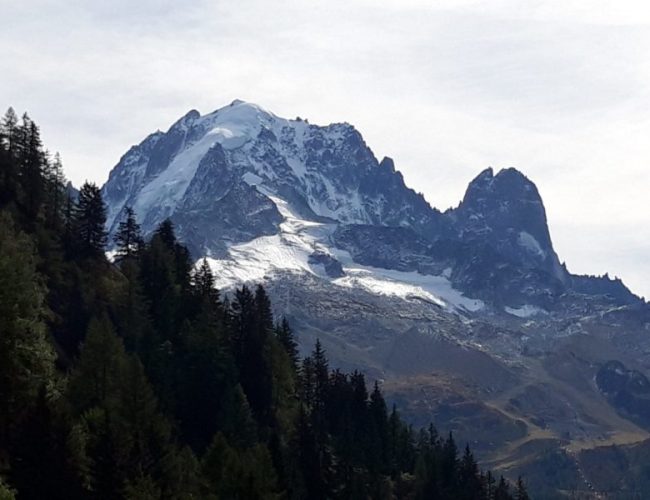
(258,260)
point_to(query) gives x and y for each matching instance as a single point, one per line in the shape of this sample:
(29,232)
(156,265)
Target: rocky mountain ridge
(215,177)
(468,316)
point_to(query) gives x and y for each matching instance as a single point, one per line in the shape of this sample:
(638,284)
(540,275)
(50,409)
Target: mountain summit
(253,190)
(231,160)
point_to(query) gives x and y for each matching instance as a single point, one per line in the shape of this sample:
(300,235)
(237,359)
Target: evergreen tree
(56,193)
(160,286)
(521,493)
(101,366)
(165,232)
(251,317)
(242,317)
(22,138)
(283,389)
(124,436)
(9,131)
(313,460)
(166,280)
(321,385)
(489,485)
(180,475)
(306,382)
(263,313)
(469,476)
(236,419)
(203,281)
(32,169)
(89,221)
(39,466)
(449,464)
(142,487)
(6,493)
(232,473)
(378,432)
(285,335)
(146,433)
(394,449)
(128,238)
(8,164)
(26,356)
(359,405)
(69,240)
(206,374)
(502,491)
(132,321)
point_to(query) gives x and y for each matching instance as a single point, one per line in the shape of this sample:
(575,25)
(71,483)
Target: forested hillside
(137,379)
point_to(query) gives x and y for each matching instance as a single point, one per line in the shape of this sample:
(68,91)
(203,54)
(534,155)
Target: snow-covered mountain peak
(186,120)
(241,114)
(239,180)
(322,171)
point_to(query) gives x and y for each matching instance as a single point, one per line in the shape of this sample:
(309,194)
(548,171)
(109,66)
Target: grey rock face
(398,248)
(506,212)
(225,178)
(333,267)
(127,178)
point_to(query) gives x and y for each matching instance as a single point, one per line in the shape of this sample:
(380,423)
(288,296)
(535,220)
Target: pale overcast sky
(560,90)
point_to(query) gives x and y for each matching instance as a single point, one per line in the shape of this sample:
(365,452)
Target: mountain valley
(467,317)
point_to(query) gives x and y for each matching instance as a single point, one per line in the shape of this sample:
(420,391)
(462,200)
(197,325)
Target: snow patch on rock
(525,311)
(252,179)
(290,250)
(528,241)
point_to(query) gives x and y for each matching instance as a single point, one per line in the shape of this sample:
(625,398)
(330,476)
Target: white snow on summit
(289,251)
(525,311)
(529,242)
(167,190)
(261,147)
(231,126)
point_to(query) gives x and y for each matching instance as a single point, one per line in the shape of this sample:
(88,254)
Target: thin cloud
(557,89)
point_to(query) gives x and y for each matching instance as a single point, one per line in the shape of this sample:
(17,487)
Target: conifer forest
(134,377)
